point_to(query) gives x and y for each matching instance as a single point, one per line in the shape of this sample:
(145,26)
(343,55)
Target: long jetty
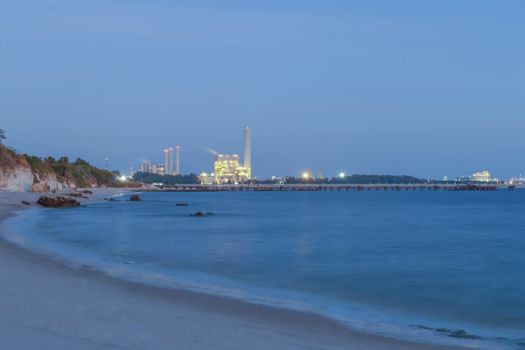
(330,187)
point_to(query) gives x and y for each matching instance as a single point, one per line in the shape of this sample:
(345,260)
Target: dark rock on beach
(87,192)
(135,198)
(58,202)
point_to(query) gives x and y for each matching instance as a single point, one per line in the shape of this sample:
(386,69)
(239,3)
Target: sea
(428,266)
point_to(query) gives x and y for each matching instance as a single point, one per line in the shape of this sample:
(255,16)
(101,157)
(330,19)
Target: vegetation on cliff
(78,173)
(8,157)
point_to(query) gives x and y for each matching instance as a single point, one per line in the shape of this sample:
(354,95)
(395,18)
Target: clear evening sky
(392,87)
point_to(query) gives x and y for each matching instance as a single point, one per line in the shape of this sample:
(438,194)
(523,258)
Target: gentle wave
(361,317)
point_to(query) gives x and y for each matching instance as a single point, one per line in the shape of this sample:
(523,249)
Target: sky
(424,88)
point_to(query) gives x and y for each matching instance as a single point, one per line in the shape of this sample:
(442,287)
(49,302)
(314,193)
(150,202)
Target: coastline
(47,304)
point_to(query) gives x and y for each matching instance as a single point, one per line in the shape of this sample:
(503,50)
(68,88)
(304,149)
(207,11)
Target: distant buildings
(167,167)
(227,167)
(519,180)
(482,176)
(206,179)
(149,167)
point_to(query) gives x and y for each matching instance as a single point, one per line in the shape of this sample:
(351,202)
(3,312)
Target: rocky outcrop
(135,198)
(18,179)
(57,202)
(48,183)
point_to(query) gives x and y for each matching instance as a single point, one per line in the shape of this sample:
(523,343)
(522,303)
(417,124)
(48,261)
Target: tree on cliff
(2,136)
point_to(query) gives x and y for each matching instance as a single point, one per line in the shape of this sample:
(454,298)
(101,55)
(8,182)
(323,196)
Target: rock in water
(201,214)
(26,203)
(135,198)
(75,194)
(58,202)
(181,204)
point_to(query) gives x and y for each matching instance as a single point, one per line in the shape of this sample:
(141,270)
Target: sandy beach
(48,305)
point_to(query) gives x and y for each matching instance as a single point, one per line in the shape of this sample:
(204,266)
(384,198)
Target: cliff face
(15,171)
(16,179)
(49,182)
(28,173)
(21,178)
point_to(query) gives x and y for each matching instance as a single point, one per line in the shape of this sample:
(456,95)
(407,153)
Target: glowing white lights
(342,175)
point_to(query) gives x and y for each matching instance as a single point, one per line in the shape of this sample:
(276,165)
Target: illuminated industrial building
(206,179)
(160,169)
(227,167)
(482,176)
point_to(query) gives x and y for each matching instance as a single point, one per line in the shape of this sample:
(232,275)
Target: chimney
(247,157)
(177,160)
(170,161)
(166,161)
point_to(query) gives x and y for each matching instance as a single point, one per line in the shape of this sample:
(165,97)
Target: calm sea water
(408,264)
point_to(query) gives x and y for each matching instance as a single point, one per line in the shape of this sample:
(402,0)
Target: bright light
(123,178)
(305,175)
(342,175)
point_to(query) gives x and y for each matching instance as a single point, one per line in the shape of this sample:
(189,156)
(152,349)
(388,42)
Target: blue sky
(400,87)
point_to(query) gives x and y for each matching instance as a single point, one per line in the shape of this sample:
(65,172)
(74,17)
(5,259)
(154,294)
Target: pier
(329,187)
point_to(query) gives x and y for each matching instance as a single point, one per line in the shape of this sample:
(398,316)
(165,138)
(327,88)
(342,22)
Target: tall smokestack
(166,161)
(177,160)
(170,160)
(247,157)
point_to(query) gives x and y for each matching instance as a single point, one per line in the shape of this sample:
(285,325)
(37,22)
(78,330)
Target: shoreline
(60,306)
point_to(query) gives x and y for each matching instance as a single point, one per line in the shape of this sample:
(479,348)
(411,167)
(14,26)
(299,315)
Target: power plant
(166,168)
(227,167)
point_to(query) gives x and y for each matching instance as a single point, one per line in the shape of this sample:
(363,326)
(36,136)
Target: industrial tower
(177,160)
(247,156)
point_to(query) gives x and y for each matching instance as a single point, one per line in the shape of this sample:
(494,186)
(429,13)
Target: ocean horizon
(442,267)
